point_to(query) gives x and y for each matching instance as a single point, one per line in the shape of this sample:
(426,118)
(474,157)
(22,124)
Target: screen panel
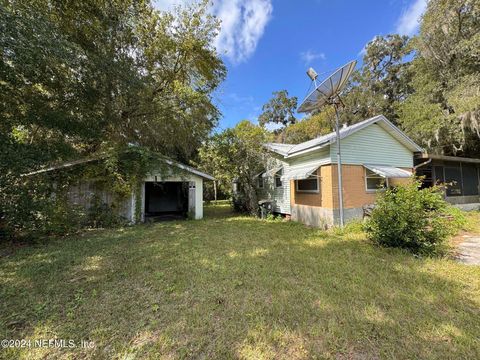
(439,178)
(453,178)
(470,180)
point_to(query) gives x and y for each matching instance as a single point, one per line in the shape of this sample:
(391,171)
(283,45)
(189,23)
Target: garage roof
(69,164)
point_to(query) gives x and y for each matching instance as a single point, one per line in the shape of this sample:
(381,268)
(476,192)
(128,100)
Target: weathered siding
(373,145)
(280,195)
(83,194)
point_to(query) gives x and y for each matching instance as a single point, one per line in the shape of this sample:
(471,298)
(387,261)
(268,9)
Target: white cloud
(309,56)
(409,21)
(243,23)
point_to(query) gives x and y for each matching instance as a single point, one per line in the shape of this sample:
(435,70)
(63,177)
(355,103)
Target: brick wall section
(322,199)
(305,198)
(354,192)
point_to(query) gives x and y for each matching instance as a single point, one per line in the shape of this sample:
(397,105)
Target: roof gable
(73,163)
(290,150)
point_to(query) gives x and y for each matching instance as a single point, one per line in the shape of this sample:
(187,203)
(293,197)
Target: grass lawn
(237,287)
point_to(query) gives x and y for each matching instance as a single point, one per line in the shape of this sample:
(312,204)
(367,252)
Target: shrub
(413,219)
(102,215)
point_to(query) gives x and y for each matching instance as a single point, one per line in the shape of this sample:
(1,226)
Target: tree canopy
(428,85)
(443,112)
(80,78)
(83,76)
(236,154)
(279,111)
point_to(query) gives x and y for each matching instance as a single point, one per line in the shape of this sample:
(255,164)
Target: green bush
(101,215)
(61,218)
(413,219)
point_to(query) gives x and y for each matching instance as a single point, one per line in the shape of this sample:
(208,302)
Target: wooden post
(215,190)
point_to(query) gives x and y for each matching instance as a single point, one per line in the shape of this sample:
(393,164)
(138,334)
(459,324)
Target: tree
(280,111)
(96,74)
(443,113)
(79,78)
(237,154)
(382,82)
(311,127)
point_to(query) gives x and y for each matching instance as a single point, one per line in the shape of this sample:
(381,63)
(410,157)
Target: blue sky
(267,45)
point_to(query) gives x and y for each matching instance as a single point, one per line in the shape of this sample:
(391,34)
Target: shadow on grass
(237,287)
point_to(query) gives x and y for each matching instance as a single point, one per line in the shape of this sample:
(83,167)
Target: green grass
(237,287)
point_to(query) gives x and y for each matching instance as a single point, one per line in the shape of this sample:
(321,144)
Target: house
(462,176)
(174,190)
(301,180)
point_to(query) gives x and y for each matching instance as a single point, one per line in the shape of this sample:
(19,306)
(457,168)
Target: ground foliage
(236,287)
(418,220)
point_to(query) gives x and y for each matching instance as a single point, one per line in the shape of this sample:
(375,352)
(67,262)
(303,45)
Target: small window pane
(310,184)
(278,181)
(453,176)
(260,182)
(375,183)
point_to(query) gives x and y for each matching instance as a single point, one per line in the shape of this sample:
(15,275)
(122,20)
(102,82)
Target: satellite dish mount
(328,93)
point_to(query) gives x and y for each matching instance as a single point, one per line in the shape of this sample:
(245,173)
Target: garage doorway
(166,200)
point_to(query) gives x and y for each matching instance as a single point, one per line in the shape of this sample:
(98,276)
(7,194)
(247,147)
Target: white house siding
(280,195)
(311,158)
(373,145)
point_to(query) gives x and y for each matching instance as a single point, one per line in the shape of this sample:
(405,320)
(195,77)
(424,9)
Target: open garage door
(166,200)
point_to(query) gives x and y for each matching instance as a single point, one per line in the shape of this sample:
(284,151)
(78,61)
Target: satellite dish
(328,93)
(328,90)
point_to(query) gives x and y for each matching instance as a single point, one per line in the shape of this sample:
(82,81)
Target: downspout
(421,164)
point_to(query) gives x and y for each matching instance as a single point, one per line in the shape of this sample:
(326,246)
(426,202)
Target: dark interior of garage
(166,200)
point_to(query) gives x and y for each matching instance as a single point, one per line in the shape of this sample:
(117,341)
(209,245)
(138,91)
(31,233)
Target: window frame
(278,176)
(374,176)
(260,182)
(311,177)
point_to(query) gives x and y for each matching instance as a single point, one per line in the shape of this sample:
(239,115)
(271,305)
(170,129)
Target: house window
(374,182)
(278,179)
(308,185)
(260,181)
